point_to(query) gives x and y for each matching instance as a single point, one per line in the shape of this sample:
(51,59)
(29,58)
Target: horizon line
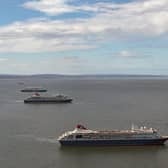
(98,74)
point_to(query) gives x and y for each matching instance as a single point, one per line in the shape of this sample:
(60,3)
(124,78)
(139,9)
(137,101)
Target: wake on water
(35,138)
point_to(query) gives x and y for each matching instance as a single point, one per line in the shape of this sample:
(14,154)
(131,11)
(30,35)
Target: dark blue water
(28,132)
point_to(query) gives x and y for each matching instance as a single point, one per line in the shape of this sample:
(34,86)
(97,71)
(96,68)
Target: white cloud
(3,59)
(146,16)
(128,54)
(56,7)
(42,35)
(110,21)
(131,54)
(51,7)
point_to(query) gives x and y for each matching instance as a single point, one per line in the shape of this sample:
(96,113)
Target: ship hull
(48,101)
(134,142)
(43,90)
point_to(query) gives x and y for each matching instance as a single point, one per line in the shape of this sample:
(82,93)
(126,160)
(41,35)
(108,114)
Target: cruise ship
(37,98)
(81,136)
(33,89)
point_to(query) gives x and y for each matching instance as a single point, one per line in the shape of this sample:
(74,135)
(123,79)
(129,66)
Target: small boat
(81,136)
(21,83)
(36,98)
(34,89)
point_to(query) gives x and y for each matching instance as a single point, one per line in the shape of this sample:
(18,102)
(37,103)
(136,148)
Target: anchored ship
(81,136)
(36,98)
(33,89)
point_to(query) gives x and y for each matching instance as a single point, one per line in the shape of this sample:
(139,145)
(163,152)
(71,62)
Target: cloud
(42,35)
(146,16)
(110,21)
(57,7)
(3,59)
(51,7)
(128,54)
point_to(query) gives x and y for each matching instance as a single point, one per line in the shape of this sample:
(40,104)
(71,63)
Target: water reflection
(111,149)
(147,156)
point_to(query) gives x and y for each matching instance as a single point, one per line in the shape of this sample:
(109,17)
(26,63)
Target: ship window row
(78,136)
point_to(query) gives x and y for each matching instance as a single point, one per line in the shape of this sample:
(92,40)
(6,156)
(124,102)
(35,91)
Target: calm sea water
(28,132)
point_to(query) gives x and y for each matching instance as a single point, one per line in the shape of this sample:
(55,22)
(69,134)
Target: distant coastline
(10,76)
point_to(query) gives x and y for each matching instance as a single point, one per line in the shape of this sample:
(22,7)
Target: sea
(29,132)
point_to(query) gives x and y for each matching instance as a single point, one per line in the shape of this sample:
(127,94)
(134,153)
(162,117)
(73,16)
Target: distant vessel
(82,136)
(33,89)
(21,83)
(36,98)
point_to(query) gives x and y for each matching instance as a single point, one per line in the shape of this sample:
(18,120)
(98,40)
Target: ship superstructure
(135,136)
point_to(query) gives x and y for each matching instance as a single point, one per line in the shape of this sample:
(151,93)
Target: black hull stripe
(112,142)
(47,101)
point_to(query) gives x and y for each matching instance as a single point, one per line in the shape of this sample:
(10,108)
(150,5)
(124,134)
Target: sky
(84,37)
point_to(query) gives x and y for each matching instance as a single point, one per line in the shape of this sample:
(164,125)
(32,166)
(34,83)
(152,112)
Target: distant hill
(10,76)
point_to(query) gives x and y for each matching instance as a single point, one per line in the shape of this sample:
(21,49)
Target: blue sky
(84,37)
